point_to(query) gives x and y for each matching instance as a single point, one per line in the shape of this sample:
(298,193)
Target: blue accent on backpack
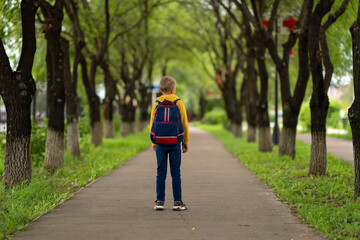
(167,128)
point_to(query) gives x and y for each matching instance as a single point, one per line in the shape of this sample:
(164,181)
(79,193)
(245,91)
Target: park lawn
(326,203)
(22,204)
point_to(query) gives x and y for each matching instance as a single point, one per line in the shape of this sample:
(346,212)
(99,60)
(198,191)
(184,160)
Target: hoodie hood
(169,97)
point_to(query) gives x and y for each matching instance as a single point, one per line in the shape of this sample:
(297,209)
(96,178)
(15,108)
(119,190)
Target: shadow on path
(225,202)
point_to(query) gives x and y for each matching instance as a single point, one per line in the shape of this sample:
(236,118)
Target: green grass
(22,204)
(326,203)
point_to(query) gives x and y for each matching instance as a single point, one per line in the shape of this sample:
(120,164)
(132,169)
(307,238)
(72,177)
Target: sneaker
(179,206)
(159,205)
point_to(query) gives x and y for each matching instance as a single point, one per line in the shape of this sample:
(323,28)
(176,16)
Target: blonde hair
(167,83)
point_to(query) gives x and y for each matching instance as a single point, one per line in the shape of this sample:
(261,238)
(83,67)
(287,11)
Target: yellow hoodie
(180,104)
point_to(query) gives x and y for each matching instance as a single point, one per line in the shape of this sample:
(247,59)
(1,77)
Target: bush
(305,117)
(216,116)
(214,103)
(333,119)
(84,126)
(38,141)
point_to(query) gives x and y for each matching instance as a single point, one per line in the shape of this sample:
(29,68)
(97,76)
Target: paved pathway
(225,200)
(340,148)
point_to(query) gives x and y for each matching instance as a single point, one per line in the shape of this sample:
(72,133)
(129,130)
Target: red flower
(290,23)
(265,23)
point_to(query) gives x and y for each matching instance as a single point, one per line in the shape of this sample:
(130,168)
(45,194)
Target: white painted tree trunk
(96,134)
(108,128)
(251,134)
(18,161)
(265,141)
(126,128)
(54,149)
(287,142)
(236,129)
(318,156)
(141,125)
(73,136)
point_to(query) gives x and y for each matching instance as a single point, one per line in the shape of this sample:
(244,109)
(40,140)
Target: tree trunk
(251,134)
(54,151)
(236,125)
(17,90)
(128,117)
(265,143)
(250,106)
(126,128)
(287,142)
(232,105)
(111,90)
(96,133)
(251,95)
(319,106)
(145,102)
(354,110)
(144,89)
(291,104)
(73,134)
(95,122)
(108,118)
(318,153)
(354,119)
(265,140)
(18,166)
(141,125)
(203,104)
(319,102)
(93,101)
(230,102)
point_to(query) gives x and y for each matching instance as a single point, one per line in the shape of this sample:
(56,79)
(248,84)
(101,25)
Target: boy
(168,89)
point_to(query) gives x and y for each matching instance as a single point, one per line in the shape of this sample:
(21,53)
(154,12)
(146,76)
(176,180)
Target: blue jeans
(174,153)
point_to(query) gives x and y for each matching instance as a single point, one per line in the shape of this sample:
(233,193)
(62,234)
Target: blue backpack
(167,128)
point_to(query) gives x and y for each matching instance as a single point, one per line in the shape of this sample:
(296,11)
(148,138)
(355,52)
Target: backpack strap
(158,101)
(176,100)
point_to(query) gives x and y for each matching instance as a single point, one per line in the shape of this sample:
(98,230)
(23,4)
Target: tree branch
(28,12)
(329,68)
(5,68)
(273,16)
(136,23)
(333,17)
(45,5)
(228,10)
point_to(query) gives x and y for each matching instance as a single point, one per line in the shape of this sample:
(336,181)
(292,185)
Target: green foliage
(38,141)
(333,118)
(18,206)
(84,125)
(215,102)
(305,116)
(216,116)
(326,203)
(339,40)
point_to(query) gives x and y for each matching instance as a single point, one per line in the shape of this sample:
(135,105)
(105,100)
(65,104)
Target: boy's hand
(154,148)
(185,148)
